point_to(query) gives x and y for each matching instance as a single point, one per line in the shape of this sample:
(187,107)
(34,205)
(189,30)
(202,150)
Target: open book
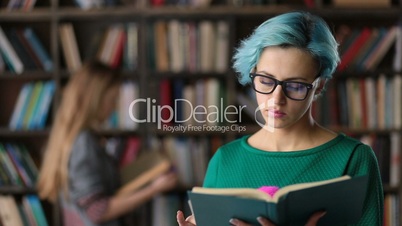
(342,198)
(147,167)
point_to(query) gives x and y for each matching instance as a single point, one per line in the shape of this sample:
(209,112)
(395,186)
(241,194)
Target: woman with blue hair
(288,59)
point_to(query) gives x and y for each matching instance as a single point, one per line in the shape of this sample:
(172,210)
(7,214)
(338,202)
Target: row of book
(363,49)
(21,50)
(32,108)
(189,46)
(179,46)
(202,101)
(387,149)
(362,103)
(24,212)
(115,45)
(33,105)
(17,167)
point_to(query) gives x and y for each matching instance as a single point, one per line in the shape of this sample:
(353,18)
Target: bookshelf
(47,17)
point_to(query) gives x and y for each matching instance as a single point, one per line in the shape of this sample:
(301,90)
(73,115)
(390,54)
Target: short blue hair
(295,29)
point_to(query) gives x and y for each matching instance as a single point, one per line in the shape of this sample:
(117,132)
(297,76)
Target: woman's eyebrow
(295,78)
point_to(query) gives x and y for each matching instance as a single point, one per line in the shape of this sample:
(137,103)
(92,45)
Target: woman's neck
(291,139)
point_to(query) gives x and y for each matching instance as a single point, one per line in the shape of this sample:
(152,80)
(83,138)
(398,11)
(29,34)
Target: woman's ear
(320,87)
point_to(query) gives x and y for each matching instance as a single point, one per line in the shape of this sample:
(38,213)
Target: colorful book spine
(22,172)
(31,124)
(351,52)
(20,107)
(7,162)
(37,210)
(31,105)
(45,103)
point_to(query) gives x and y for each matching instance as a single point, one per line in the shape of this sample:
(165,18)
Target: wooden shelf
(36,15)
(16,190)
(7,133)
(28,75)
(122,11)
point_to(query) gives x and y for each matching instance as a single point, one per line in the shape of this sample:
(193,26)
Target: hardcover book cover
(342,199)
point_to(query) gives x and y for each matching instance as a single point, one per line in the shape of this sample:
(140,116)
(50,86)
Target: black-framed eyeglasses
(292,90)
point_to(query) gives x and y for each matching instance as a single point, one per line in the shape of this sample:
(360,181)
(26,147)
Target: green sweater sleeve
(363,161)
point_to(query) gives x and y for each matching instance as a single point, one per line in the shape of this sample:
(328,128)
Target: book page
(254,193)
(238,192)
(295,187)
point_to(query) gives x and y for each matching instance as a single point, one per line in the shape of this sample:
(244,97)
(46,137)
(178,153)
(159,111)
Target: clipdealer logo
(267,123)
(205,118)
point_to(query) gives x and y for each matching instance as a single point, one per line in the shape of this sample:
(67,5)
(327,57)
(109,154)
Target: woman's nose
(278,95)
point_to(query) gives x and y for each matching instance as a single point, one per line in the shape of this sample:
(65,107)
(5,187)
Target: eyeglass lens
(293,90)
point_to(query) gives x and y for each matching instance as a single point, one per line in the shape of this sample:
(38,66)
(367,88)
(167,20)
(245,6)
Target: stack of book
(27,212)
(21,50)
(116,46)
(33,106)
(17,167)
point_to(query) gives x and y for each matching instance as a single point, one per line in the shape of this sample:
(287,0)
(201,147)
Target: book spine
(10,54)
(33,99)
(131,48)
(26,160)
(37,210)
(21,51)
(70,47)
(39,49)
(36,106)
(29,211)
(45,103)
(9,214)
(15,178)
(20,106)
(18,165)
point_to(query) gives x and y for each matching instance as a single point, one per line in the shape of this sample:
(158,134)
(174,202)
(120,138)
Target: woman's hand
(265,222)
(164,182)
(189,221)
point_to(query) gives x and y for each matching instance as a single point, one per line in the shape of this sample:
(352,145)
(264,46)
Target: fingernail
(233,221)
(322,214)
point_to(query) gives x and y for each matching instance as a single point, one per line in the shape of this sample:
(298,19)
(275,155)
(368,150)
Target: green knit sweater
(237,164)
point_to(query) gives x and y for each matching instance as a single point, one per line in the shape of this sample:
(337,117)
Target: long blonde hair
(81,100)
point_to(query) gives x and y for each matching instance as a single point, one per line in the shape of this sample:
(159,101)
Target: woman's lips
(276,113)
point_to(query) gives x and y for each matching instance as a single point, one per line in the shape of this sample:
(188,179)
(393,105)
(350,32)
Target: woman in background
(288,60)
(76,170)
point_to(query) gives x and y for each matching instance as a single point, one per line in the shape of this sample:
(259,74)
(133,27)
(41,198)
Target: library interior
(179,98)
